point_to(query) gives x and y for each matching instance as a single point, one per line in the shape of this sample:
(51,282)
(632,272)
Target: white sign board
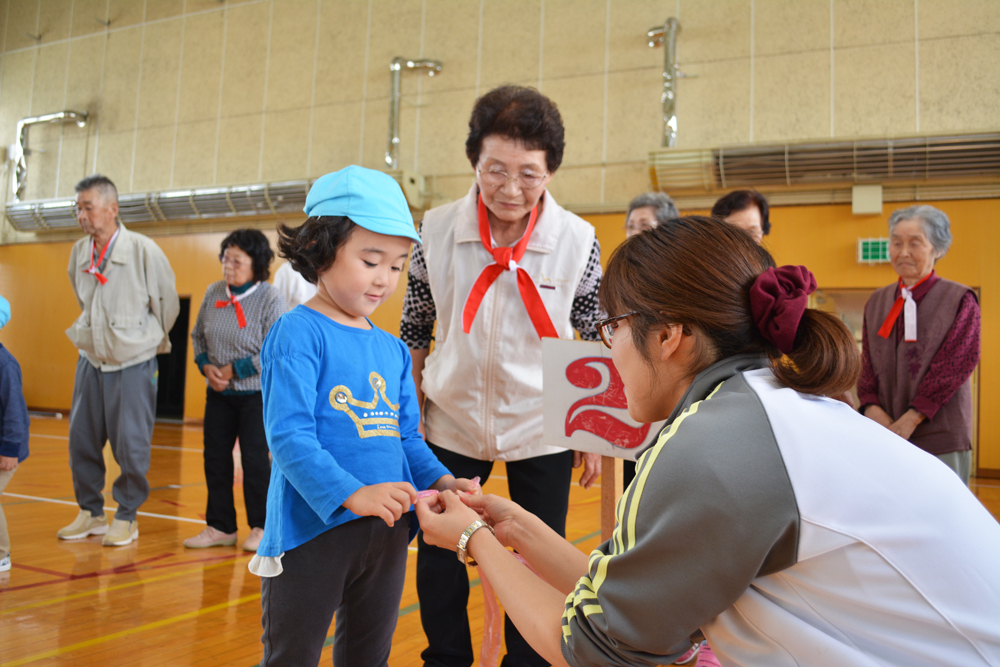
(584,403)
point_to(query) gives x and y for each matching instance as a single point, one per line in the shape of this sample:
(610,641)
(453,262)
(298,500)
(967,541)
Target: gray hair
(102,184)
(935,223)
(663,206)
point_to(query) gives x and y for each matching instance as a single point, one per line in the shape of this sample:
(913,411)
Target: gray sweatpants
(119,407)
(5,476)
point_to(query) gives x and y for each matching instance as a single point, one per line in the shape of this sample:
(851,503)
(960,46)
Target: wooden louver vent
(875,161)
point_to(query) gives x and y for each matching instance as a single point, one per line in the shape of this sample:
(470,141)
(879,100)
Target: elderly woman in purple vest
(921,344)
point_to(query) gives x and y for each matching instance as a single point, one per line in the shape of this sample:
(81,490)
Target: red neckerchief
(904,299)
(506,259)
(94,269)
(235,300)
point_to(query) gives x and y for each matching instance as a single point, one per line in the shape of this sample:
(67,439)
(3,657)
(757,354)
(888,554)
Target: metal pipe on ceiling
(19,149)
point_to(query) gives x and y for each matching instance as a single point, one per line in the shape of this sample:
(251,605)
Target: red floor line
(62,575)
(66,578)
(120,569)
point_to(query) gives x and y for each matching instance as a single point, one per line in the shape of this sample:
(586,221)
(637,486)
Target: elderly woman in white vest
(498,270)
(921,344)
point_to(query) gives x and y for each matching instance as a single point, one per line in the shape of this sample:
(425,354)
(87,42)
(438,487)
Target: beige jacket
(126,321)
(484,388)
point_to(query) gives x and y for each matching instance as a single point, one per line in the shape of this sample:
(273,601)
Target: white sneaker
(84,525)
(210,537)
(5,563)
(254,540)
(121,533)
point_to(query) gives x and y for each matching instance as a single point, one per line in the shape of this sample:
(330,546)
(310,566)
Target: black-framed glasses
(608,327)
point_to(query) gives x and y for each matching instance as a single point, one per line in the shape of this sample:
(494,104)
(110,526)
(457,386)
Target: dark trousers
(117,407)
(226,417)
(357,570)
(539,485)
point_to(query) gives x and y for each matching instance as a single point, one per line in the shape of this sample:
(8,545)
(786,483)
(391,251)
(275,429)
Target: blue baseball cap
(372,199)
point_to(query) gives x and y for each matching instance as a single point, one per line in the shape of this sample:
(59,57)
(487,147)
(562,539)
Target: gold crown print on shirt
(374,420)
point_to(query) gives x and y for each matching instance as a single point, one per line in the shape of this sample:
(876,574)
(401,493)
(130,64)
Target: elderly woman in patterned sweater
(234,318)
(921,344)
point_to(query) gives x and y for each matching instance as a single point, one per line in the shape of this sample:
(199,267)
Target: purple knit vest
(900,368)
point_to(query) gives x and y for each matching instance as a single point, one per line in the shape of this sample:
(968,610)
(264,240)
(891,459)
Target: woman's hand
(591,467)
(216,378)
(8,463)
(444,518)
(502,514)
(905,425)
(388,501)
(877,414)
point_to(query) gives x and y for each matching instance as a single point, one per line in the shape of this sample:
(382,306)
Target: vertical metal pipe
(432,67)
(670,30)
(392,152)
(666,36)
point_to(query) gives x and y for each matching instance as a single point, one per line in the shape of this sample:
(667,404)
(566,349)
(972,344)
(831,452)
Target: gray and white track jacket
(793,531)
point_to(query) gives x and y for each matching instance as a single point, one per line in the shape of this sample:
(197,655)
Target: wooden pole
(612,487)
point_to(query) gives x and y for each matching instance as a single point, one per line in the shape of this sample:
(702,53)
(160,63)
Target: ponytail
(825,360)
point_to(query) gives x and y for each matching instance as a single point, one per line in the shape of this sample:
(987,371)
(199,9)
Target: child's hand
(470,486)
(389,500)
(449,483)
(8,463)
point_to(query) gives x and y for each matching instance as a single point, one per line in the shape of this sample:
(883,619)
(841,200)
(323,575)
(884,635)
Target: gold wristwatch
(463,555)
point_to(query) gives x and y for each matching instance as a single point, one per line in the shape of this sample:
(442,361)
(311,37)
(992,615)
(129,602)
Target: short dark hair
(311,248)
(519,113)
(738,200)
(102,183)
(254,243)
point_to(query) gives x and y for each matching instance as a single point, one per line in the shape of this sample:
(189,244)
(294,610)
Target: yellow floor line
(131,631)
(144,582)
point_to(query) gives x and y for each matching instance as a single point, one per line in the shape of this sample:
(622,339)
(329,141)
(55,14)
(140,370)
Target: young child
(13,428)
(341,416)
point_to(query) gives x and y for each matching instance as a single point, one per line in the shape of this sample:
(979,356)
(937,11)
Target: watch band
(463,556)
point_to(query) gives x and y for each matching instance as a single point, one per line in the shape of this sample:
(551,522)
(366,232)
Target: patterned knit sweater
(219,340)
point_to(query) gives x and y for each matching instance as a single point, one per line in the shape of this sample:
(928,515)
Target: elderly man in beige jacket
(125,288)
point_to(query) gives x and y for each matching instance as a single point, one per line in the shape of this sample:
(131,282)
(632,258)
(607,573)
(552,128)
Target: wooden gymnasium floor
(153,602)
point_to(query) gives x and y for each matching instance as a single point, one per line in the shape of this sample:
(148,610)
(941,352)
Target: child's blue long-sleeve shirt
(340,412)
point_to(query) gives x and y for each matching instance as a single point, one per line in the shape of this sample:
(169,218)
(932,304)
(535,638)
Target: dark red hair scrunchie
(779,298)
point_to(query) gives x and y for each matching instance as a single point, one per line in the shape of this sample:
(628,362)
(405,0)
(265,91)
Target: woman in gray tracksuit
(786,526)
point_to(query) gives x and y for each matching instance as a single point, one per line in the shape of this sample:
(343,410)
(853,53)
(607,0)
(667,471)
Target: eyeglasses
(231,261)
(497,178)
(608,327)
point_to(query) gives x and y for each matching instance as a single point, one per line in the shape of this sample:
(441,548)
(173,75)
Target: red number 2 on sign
(582,373)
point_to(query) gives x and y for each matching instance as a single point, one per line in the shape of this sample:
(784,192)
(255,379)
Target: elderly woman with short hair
(647,211)
(498,270)
(921,344)
(235,316)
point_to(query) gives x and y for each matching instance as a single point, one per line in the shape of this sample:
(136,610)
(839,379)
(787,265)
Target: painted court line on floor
(112,509)
(167,447)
